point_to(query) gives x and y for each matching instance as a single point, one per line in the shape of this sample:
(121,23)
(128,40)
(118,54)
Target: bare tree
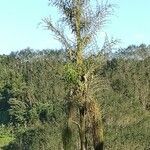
(83,18)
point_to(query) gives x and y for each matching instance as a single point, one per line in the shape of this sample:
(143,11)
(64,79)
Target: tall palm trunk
(84,23)
(82,129)
(97,138)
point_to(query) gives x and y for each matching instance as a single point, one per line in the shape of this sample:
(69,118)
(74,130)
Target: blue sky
(19,24)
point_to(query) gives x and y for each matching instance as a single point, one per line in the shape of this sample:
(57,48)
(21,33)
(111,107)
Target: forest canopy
(30,96)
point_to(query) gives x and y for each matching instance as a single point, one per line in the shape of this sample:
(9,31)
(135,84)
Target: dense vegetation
(32,93)
(81,97)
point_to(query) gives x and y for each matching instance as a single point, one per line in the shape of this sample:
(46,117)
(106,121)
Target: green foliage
(6,135)
(32,90)
(4,117)
(42,137)
(17,111)
(71,74)
(67,138)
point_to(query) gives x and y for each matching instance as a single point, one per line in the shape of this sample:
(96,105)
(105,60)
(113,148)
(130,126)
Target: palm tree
(83,19)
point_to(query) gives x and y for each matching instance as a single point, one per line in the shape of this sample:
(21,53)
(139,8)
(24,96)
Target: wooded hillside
(33,89)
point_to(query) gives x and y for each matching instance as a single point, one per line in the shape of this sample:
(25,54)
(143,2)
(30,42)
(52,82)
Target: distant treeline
(32,90)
